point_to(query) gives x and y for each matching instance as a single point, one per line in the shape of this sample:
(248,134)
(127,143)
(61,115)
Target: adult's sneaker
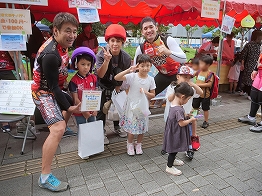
(256,128)
(6,128)
(205,124)
(195,142)
(174,171)
(106,140)
(247,120)
(120,132)
(53,184)
(69,132)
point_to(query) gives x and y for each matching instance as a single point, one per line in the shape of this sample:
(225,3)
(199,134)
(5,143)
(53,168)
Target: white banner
(28,2)
(84,3)
(210,8)
(12,42)
(15,21)
(227,24)
(88,15)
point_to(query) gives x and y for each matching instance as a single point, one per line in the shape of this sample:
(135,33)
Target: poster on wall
(227,24)
(210,8)
(27,2)
(88,15)
(84,3)
(12,42)
(15,21)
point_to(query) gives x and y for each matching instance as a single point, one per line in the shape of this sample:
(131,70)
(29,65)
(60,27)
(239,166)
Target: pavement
(228,162)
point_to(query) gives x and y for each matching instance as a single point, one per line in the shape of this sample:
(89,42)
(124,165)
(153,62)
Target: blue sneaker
(6,128)
(69,132)
(53,184)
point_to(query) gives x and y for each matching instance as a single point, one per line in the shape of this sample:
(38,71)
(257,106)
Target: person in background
(7,69)
(177,136)
(249,59)
(140,83)
(256,99)
(237,44)
(234,73)
(228,52)
(205,81)
(111,61)
(34,42)
(55,105)
(209,47)
(83,59)
(87,38)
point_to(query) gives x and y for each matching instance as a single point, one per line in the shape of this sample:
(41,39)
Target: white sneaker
(106,140)
(174,171)
(178,162)
(138,147)
(130,149)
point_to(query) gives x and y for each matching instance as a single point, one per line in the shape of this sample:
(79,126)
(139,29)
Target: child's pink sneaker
(130,149)
(139,150)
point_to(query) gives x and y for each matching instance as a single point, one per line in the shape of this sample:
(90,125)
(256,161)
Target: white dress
(234,71)
(129,122)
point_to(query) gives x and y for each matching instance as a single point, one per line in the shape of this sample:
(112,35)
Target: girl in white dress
(140,83)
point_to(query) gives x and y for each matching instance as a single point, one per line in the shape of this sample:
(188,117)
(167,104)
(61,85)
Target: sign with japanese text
(91,100)
(16,97)
(15,21)
(88,15)
(12,42)
(27,2)
(210,9)
(84,3)
(227,24)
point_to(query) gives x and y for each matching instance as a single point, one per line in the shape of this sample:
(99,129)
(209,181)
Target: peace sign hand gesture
(107,54)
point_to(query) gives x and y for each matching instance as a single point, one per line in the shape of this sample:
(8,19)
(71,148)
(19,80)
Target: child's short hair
(85,57)
(184,89)
(206,59)
(143,58)
(195,61)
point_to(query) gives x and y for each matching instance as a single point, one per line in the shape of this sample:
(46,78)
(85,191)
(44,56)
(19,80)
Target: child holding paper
(141,84)
(83,59)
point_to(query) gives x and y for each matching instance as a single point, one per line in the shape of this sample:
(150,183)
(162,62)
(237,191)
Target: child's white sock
(44,177)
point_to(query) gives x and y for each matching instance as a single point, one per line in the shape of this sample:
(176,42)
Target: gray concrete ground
(228,163)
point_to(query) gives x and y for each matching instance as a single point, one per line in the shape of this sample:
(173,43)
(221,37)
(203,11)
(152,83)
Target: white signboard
(28,2)
(84,3)
(227,24)
(91,100)
(210,8)
(16,97)
(15,21)
(12,42)
(88,15)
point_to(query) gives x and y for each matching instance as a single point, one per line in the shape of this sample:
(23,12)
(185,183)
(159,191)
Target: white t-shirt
(187,107)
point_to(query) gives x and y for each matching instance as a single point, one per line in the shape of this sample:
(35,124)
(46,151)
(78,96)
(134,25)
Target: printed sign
(91,100)
(227,24)
(15,21)
(84,3)
(87,15)
(16,97)
(28,2)
(210,9)
(12,42)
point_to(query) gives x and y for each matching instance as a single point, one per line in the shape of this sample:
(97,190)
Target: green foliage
(190,31)
(206,29)
(190,52)
(136,31)
(46,22)
(98,28)
(130,50)
(163,28)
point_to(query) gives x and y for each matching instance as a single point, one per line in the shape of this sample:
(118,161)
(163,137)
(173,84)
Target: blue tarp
(210,33)
(43,27)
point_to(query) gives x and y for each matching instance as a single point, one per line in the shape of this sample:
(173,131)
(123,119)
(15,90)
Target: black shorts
(205,102)
(256,96)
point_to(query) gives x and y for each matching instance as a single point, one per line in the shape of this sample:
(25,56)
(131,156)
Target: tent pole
(220,48)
